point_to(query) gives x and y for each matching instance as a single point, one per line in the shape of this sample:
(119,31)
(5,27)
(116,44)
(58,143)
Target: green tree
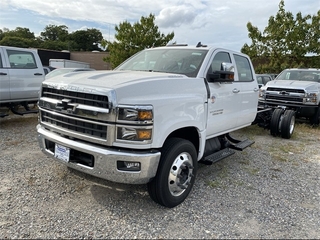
(55,33)
(315,34)
(2,34)
(86,40)
(20,37)
(55,38)
(20,33)
(55,45)
(285,42)
(18,42)
(133,38)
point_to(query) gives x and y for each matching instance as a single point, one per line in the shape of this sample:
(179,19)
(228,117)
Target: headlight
(134,123)
(262,93)
(311,98)
(133,134)
(135,113)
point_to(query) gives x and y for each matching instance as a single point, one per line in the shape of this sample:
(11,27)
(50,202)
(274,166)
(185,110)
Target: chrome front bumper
(105,159)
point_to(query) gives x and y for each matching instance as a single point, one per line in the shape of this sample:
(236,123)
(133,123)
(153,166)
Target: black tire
(315,118)
(176,173)
(288,124)
(276,121)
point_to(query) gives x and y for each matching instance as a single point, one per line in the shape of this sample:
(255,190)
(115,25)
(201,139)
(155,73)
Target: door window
(1,65)
(218,59)
(244,69)
(21,59)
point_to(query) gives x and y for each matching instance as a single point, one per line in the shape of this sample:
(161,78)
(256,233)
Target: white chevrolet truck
(152,119)
(21,75)
(297,89)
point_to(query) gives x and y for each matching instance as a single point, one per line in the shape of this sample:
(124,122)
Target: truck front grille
(284,99)
(288,90)
(89,99)
(285,95)
(77,125)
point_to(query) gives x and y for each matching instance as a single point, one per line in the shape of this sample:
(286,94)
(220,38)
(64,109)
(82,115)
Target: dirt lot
(271,190)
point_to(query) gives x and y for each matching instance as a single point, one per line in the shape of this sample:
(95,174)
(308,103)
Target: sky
(212,22)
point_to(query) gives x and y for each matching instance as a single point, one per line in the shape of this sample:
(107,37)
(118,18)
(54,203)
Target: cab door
(224,100)
(26,74)
(249,90)
(4,78)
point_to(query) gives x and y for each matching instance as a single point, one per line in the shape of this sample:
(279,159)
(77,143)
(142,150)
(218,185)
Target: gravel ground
(271,190)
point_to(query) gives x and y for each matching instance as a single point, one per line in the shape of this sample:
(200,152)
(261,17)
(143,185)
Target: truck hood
(306,85)
(108,79)
(131,86)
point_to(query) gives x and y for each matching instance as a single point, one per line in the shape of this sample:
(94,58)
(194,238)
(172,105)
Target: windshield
(300,75)
(180,61)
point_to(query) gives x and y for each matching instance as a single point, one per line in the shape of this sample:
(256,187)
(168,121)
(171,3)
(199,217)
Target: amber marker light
(144,134)
(145,115)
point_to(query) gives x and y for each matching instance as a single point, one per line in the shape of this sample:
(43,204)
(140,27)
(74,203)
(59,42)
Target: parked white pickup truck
(152,119)
(297,89)
(21,75)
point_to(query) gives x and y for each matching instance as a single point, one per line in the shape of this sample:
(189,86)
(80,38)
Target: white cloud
(221,23)
(176,16)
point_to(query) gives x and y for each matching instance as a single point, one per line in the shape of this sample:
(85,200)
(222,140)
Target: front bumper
(302,110)
(105,159)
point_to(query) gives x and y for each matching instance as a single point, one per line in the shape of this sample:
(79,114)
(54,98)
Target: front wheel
(176,173)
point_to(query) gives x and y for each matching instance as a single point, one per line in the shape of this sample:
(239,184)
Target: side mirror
(226,74)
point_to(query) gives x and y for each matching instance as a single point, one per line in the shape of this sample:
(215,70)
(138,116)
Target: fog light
(128,166)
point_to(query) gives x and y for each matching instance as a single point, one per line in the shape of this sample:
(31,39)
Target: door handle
(2,73)
(235,90)
(38,74)
(255,89)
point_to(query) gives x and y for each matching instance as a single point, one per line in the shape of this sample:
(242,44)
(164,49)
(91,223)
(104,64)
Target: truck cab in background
(21,75)
(297,89)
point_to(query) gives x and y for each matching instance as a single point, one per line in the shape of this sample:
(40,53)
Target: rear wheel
(176,173)
(275,122)
(288,124)
(316,117)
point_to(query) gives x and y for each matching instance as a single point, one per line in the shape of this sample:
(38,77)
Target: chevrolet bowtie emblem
(64,104)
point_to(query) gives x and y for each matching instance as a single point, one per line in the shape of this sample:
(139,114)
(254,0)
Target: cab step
(242,145)
(217,156)
(2,115)
(238,144)
(26,107)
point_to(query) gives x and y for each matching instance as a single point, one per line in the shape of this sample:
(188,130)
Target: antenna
(201,45)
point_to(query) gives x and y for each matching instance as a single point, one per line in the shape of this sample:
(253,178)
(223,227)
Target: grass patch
(291,148)
(302,130)
(238,183)
(253,130)
(214,184)
(244,162)
(307,132)
(222,174)
(252,171)
(31,180)
(279,153)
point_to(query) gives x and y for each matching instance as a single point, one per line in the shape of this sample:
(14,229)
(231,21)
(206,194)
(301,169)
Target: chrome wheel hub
(180,175)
